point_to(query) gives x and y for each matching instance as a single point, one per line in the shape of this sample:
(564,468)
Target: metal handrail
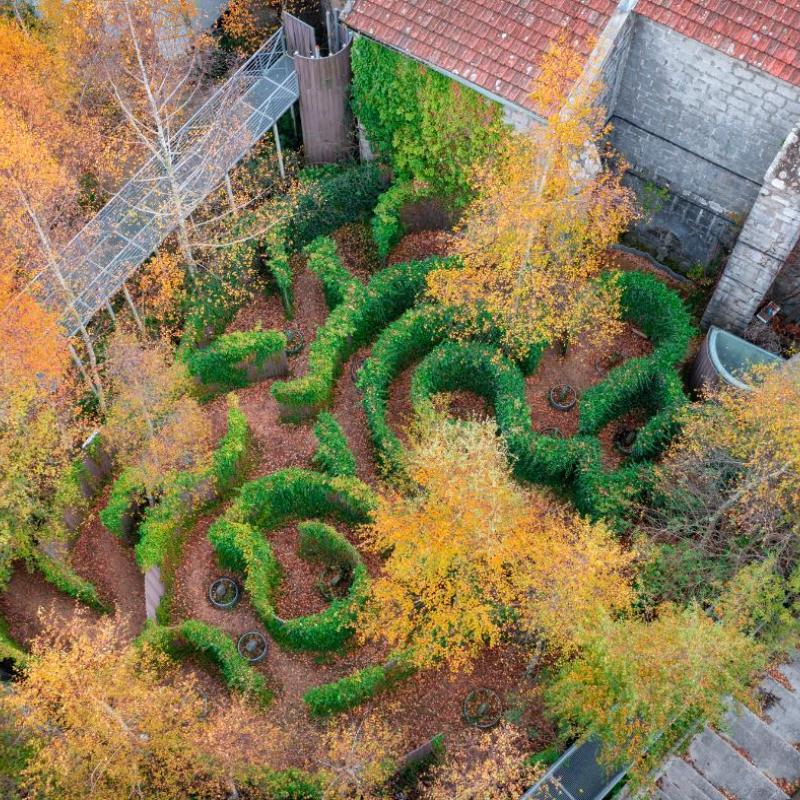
(137,219)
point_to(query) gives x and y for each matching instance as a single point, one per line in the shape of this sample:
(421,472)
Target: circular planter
(625,439)
(223,593)
(482,708)
(295,341)
(253,646)
(563,397)
(553,432)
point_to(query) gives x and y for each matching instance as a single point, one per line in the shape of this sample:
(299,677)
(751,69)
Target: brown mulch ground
(423,244)
(581,368)
(26,596)
(357,249)
(110,564)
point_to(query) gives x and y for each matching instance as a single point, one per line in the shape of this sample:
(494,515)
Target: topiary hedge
(351,325)
(573,465)
(199,637)
(324,262)
(387,227)
(64,578)
(333,456)
(354,689)
(233,360)
(281,270)
(267,503)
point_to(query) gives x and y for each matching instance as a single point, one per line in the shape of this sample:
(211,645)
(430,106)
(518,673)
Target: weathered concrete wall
(704,125)
(770,234)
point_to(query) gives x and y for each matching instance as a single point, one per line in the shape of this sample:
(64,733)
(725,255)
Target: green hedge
(269,502)
(186,494)
(387,227)
(353,689)
(333,456)
(324,262)
(281,270)
(63,577)
(199,637)
(126,492)
(351,325)
(9,649)
(573,465)
(221,364)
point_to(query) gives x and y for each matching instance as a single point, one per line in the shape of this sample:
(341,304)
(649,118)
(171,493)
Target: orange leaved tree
(533,240)
(472,555)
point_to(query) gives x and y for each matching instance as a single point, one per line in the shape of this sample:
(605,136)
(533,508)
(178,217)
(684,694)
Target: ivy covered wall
(424,125)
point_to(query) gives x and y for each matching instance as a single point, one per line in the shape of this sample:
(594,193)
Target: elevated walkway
(132,225)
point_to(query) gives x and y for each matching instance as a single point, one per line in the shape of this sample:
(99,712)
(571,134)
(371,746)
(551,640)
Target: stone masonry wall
(705,126)
(768,238)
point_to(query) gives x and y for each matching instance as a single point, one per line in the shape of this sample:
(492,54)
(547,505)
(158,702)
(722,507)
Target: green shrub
(230,460)
(333,456)
(324,262)
(9,649)
(387,227)
(276,499)
(281,271)
(65,579)
(264,783)
(351,325)
(354,689)
(331,199)
(126,494)
(206,640)
(223,364)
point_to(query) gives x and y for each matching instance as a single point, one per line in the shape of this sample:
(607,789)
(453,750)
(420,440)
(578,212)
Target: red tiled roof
(494,44)
(763,33)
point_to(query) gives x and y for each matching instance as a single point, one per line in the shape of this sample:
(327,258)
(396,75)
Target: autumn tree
(728,491)
(153,424)
(545,213)
(360,757)
(472,555)
(491,768)
(42,153)
(635,680)
(106,720)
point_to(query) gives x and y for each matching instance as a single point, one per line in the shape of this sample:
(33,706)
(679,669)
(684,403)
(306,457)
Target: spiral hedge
(573,465)
(194,636)
(354,322)
(275,500)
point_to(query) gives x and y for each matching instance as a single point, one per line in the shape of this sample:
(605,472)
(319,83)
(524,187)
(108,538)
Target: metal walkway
(133,224)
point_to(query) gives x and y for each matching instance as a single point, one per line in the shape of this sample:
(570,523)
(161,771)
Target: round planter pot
(563,397)
(252,646)
(223,593)
(482,708)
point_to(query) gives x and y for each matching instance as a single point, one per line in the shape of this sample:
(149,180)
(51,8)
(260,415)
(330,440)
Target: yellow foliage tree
(534,239)
(470,550)
(634,680)
(106,720)
(153,424)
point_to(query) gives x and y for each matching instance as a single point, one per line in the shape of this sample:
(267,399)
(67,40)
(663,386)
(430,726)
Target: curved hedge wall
(573,465)
(194,636)
(353,323)
(267,503)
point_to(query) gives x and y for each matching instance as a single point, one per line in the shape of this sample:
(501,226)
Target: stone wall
(767,240)
(705,126)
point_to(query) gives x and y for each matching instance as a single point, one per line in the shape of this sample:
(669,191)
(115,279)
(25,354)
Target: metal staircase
(132,225)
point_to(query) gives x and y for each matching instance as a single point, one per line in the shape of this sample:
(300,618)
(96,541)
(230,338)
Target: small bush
(206,640)
(354,689)
(224,363)
(333,456)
